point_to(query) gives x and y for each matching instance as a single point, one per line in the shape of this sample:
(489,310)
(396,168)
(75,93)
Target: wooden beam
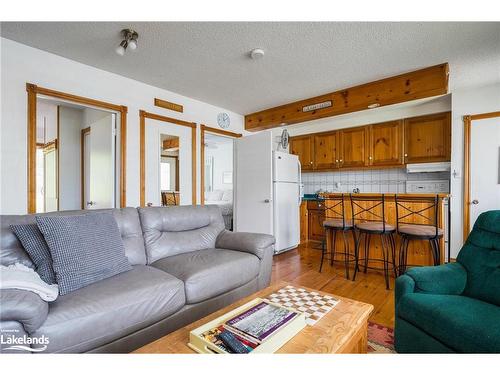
(419,84)
(170,143)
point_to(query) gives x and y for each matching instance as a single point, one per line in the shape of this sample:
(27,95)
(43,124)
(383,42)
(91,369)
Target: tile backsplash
(367,181)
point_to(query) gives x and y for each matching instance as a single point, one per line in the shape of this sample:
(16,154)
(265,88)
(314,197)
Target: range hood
(428,167)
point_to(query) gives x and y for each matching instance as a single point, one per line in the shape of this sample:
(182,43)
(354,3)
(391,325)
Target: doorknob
(267,200)
(475,201)
(91,203)
(149,204)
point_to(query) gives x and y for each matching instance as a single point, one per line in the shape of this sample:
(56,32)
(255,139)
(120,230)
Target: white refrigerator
(267,190)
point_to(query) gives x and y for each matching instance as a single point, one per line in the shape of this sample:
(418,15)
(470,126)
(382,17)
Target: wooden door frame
(143,115)
(209,129)
(84,132)
(467,141)
(33,91)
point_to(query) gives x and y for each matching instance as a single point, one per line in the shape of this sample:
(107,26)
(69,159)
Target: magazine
(261,320)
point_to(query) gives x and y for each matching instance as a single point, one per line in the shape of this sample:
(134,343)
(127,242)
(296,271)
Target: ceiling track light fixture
(129,41)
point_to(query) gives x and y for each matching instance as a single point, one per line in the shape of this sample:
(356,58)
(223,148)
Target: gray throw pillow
(84,248)
(33,242)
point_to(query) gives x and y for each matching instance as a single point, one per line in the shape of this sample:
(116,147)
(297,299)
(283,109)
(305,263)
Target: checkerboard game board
(312,304)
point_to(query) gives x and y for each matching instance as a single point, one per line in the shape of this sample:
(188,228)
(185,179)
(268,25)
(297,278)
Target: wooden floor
(301,267)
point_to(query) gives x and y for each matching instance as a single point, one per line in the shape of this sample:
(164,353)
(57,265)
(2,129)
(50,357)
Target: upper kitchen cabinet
(352,145)
(428,138)
(385,146)
(325,150)
(302,146)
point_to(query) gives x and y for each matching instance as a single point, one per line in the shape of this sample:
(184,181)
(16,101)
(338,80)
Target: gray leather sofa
(185,266)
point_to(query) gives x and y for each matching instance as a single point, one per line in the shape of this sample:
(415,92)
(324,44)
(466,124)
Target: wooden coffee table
(342,330)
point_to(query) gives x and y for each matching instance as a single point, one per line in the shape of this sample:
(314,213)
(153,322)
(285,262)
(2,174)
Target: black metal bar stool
(336,221)
(417,219)
(368,213)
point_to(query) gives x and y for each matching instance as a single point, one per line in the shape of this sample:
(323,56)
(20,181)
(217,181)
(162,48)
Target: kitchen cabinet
(302,146)
(395,143)
(353,147)
(325,150)
(316,216)
(303,220)
(428,138)
(385,145)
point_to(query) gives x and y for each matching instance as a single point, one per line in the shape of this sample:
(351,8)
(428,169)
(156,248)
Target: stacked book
(263,325)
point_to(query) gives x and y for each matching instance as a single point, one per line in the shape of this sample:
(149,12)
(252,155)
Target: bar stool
(417,219)
(336,221)
(368,213)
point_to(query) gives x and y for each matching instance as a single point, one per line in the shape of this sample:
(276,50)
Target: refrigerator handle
(299,168)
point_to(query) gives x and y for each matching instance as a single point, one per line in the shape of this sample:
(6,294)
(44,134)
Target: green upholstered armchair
(454,307)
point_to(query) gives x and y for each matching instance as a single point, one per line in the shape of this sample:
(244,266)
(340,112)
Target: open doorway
(218,174)
(75,156)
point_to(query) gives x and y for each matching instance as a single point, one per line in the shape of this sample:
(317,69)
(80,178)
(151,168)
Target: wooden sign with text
(169,105)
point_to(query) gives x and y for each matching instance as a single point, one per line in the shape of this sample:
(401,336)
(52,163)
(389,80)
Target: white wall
(21,64)
(70,123)
(465,102)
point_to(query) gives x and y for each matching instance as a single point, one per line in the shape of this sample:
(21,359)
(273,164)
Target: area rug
(380,339)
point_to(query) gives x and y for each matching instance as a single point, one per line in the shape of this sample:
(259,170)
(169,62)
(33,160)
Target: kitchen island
(313,213)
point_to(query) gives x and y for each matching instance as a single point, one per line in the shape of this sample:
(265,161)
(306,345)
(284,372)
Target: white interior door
(102,164)
(153,131)
(484,167)
(254,184)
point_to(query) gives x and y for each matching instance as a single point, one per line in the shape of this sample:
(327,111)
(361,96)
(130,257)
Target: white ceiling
(209,61)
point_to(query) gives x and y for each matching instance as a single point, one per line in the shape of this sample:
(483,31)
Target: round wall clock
(223,120)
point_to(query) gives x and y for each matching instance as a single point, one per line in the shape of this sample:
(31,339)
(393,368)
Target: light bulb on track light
(120,50)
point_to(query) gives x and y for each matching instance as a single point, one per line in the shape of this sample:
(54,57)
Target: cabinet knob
(406,155)
(310,162)
(336,161)
(369,157)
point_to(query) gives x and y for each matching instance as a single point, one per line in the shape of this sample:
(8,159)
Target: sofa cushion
(110,309)
(11,250)
(38,250)
(461,323)
(480,256)
(179,229)
(84,248)
(210,272)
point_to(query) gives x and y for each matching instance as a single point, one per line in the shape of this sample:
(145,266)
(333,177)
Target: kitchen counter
(313,213)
